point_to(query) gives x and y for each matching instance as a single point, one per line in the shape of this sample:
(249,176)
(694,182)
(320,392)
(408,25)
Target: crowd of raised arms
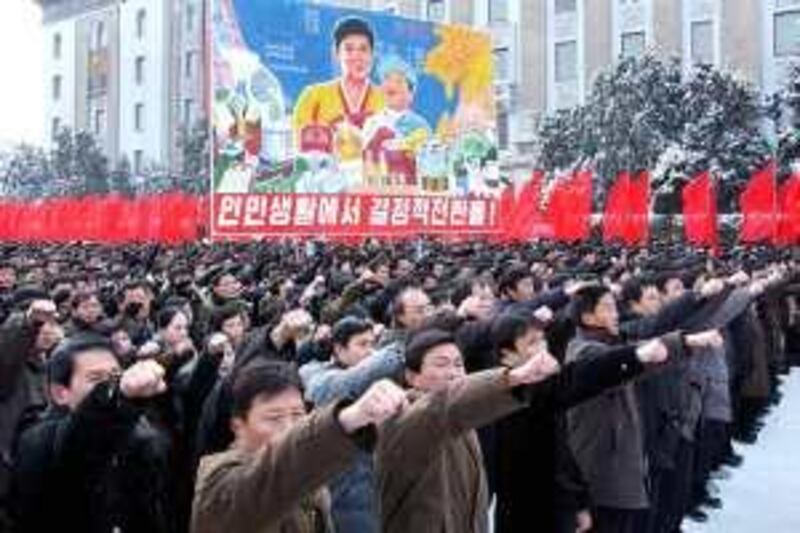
(404,387)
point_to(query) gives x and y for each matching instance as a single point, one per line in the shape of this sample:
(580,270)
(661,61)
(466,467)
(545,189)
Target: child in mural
(329,117)
(394,135)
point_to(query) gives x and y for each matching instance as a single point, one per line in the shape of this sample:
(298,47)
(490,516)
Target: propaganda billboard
(334,121)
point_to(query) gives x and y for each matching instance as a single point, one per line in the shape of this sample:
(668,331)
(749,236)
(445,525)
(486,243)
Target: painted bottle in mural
(432,167)
(276,133)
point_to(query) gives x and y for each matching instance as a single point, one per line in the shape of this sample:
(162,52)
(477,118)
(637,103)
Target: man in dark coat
(25,339)
(94,463)
(538,486)
(605,433)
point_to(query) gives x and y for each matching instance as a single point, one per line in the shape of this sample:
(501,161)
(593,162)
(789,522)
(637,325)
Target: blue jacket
(353,494)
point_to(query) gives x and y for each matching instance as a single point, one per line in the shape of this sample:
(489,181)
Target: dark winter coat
(605,433)
(536,479)
(22,391)
(100,469)
(213,427)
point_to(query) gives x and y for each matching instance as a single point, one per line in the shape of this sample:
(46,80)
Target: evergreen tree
(27,173)
(121,178)
(647,114)
(195,151)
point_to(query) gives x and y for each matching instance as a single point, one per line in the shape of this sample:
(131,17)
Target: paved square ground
(763,495)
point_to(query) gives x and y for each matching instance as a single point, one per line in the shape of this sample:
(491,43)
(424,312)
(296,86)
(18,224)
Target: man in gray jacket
(354,366)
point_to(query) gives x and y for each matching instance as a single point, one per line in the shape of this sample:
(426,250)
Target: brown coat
(429,464)
(277,490)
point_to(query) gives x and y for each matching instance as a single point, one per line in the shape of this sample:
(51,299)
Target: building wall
(97,78)
(698,12)
(188,97)
(461,12)
(598,32)
(152,137)
(775,67)
(63,108)
(741,27)
(668,27)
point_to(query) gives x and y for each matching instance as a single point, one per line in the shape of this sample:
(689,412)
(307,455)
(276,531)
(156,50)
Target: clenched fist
(42,311)
(543,314)
(652,352)
(145,379)
(293,326)
(706,339)
(217,344)
(475,307)
(382,400)
(537,368)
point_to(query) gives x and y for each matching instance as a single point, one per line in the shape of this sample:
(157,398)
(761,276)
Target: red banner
(528,215)
(342,215)
(570,208)
(789,200)
(626,216)
(168,218)
(700,211)
(760,209)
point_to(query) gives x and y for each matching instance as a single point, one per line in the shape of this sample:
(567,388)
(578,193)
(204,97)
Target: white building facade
(129,71)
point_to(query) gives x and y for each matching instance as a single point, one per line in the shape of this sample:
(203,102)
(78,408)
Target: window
(139,70)
(502,68)
(566,61)
(57,46)
(787,33)
(99,35)
(436,10)
(503,127)
(190,15)
(498,11)
(189,64)
(188,105)
(702,42)
(55,126)
(56,87)
(99,121)
(141,23)
(138,160)
(138,117)
(565,6)
(633,44)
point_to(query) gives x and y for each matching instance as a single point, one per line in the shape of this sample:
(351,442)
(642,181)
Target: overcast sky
(21,88)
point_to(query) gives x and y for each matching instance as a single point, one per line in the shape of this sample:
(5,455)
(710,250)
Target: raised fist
(475,307)
(537,368)
(295,324)
(543,314)
(652,352)
(571,288)
(382,400)
(712,287)
(706,339)
(144,379)
(739,278)
(217,343)
(149,350)
(41,311)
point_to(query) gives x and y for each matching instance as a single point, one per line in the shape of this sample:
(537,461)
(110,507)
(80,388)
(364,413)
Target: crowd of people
(389,387)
